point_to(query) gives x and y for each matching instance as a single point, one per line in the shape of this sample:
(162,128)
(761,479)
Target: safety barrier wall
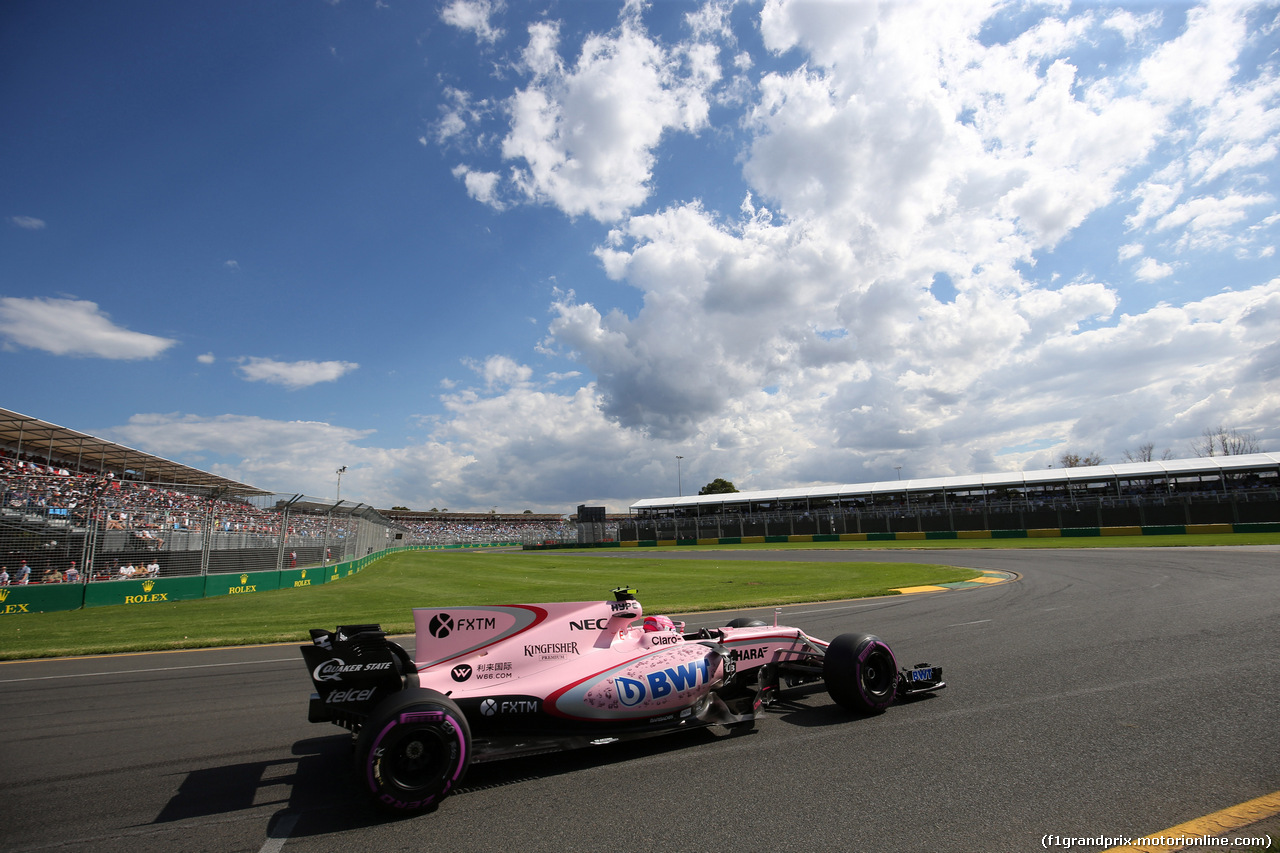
(45,598)
(915,536)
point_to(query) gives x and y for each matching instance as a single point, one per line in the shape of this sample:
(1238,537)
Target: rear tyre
(412,751)
(860,673)
(746,622)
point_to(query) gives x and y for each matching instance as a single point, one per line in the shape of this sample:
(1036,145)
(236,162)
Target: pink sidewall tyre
(412,751)
(860,672)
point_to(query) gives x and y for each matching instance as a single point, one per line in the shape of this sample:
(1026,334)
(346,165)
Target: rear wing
(353,668)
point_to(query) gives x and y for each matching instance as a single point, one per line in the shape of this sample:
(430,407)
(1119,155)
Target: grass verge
(387,591)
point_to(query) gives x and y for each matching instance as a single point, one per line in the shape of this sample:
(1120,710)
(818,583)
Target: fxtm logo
(662,683)
(442,625)
(491,707)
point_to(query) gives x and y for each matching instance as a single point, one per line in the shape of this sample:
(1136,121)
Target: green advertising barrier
(41,598)
(245,583)
(298,578)
(149,591)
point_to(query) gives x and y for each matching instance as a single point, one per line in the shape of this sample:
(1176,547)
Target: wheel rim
(418,759)
(877,674)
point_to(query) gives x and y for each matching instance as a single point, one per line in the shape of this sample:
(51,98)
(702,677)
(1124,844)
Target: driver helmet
(658,623)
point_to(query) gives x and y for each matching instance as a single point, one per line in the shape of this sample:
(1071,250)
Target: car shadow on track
(317,795)
(312,781)
(830,714)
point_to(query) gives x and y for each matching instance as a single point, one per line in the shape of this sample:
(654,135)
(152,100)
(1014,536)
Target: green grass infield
(387,591)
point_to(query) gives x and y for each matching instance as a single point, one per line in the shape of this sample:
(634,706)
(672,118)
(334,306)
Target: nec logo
(588,625)
(461,672)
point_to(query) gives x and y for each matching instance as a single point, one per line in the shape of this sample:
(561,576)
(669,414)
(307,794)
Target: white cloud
(30,223)
(72,327)
(1152,270)
(1205,220)
(206,358)
(474,16)
(896,287)
(1171,369)
(1129,250)
(582,138)
(1131,26)
(293,374)
(289,456)
(482,186)
(890,159)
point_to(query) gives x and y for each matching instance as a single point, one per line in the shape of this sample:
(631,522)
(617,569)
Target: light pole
(340,470)
(679,482)
(898,468)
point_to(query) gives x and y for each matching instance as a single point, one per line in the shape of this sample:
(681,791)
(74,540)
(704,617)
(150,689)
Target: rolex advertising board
(241,583)
(143,592)
(40,598)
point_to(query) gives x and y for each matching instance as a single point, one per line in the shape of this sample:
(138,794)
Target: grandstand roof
(29,435)
(1213,466)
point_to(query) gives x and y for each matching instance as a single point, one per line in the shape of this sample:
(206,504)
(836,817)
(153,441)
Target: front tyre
(412,751)
(860,673)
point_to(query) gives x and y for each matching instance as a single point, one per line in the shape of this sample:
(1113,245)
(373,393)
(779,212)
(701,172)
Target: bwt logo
(442,625)
(660,684)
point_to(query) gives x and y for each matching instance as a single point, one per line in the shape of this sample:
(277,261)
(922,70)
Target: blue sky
(522,255)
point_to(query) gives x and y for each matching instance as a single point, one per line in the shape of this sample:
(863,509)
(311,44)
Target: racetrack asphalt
(1105,693)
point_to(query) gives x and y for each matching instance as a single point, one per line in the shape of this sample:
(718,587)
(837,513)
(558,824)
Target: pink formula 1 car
(506,680)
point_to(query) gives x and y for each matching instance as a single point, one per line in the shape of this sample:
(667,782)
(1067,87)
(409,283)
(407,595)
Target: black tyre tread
(859,679)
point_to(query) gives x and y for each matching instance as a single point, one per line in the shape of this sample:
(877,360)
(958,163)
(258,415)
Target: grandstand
(68,498)
(460,528)
(1210,490)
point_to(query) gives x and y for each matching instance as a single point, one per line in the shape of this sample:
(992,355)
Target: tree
(1146,453)
(718,486)
(1075,460)
(400,509)
(1225,442)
